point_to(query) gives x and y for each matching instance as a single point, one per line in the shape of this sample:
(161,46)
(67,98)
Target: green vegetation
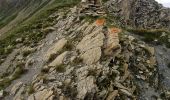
(7,20)
(153,34)
(60,68)
(27,51)
(68,46)
(30,30)
(105,0)
(89,18)
(16,74)
(30,89)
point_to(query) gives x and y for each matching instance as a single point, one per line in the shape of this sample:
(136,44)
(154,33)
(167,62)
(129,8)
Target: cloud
(165,3)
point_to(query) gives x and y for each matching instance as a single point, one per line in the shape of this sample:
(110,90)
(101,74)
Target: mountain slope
(82,51)
(22,10)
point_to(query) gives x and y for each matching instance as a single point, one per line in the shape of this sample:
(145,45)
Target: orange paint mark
(100,22)
(115,30)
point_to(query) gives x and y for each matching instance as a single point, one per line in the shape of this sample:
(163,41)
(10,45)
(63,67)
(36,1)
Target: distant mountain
(13,12)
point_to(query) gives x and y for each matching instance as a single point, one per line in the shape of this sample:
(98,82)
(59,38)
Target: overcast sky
(166,3)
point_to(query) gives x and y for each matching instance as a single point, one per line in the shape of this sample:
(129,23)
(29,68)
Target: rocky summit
(88,50)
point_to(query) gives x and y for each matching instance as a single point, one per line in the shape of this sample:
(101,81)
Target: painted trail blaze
(100,22)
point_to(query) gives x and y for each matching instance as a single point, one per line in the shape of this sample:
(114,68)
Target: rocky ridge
(147,14)
(83,60)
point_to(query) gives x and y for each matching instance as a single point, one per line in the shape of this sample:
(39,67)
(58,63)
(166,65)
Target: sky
(166,3)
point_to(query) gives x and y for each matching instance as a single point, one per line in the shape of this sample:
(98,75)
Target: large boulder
(90,46)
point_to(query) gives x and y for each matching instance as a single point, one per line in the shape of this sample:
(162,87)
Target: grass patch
(6,81)
(68,46)
(30,89)
(153,34)
(89,18)
(7,20)
(30,30)
(27,51)
(77,61)
(60,68)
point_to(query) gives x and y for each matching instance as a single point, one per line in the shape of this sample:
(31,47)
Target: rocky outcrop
(58,46)
(81,60)
(42,95)
(140,13)
(90,46)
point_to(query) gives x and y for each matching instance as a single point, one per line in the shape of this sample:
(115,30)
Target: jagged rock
(89,28)
(59,60)
(91,56)
(67,82)
(112,43)
(19,94)
(151,50)
(55,48)
(85,86)
(147,14)
(90,47)
(109,69)
(16,88)
(126,92)
(31,97)
(92,40)
(82,72)
(17,91)
(112,95)
(42,95)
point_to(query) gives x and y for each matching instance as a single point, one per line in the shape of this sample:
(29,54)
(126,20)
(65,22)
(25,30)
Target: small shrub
(4,83)
(69,46)
(17,73)
(92,73)
(60,68)
(151,34)
(77,61)
(27,51)
(45,69)
(31,89)
(52,57)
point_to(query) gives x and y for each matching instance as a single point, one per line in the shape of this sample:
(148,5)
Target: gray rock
(147,13)
(112,95)
(55,48)
(91,56)
(59,60)
(16,88)
(90,46)
(85,86)
(42,95)
(1,93)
